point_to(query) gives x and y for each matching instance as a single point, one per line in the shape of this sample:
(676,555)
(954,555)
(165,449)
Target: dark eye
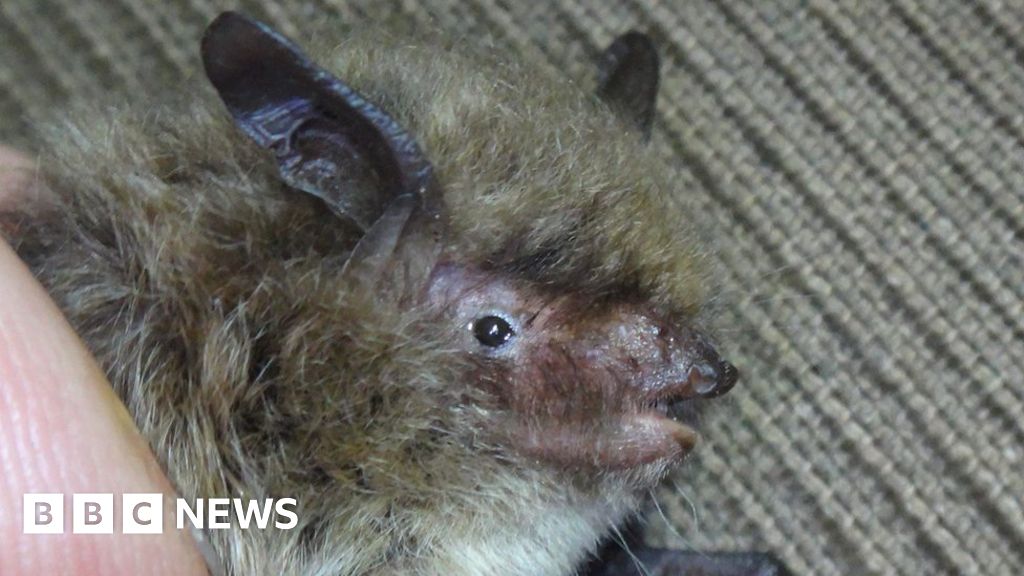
(492,331)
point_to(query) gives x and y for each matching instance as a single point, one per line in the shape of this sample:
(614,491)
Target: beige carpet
(862,164)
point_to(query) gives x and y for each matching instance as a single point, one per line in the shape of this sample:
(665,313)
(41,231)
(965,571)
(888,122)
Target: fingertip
(66,432)
(16,173)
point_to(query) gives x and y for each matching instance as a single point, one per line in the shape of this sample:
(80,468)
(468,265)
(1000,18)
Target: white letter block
(42,513)
(142,513)
(92,513)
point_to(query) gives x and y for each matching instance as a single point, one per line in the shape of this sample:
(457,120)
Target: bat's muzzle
(710,376)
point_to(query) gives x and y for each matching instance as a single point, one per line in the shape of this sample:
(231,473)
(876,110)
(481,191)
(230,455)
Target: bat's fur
(212,296)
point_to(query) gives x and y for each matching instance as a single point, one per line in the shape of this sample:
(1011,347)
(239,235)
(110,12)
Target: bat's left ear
(328,140)
(628,79)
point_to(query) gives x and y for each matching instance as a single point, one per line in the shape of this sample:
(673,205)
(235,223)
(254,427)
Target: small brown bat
(449,304)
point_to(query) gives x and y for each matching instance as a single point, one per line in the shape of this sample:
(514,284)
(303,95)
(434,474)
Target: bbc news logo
(144,513)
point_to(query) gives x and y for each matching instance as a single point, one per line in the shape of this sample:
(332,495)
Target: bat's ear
(628,79)
(403,247)
(328,140)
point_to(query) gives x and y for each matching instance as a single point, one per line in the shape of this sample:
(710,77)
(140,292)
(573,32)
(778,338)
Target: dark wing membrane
(628,79)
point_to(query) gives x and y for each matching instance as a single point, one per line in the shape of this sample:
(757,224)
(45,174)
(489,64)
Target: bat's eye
(492,331)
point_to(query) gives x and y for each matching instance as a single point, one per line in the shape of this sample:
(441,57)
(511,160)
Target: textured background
(862,164)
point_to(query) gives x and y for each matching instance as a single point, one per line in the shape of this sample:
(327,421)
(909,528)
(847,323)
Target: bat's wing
(627,80)
(661,562)
(629,556)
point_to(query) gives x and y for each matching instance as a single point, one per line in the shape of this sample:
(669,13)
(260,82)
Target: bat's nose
(710,376)
(666,359)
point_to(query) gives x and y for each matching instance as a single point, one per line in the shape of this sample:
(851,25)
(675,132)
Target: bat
(448,303)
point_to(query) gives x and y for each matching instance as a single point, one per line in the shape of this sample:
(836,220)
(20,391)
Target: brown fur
(212,296)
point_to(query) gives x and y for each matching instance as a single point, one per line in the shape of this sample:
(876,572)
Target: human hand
(63,430)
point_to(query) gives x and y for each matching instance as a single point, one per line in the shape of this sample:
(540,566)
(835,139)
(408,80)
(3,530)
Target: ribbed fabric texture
(862,166)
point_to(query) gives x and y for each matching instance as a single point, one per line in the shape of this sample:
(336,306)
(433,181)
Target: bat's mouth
(674,419)
(674,411)
(661,429)
(684,406)
(685,411)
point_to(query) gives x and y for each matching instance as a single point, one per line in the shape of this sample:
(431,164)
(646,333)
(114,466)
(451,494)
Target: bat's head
(596,382)
(563,284)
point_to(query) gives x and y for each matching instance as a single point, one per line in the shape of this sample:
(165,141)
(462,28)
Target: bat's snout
(709,375)
(680,364)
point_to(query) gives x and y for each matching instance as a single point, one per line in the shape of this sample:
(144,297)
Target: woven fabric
(862,165)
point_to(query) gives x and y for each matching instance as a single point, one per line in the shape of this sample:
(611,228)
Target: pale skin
(62,430)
